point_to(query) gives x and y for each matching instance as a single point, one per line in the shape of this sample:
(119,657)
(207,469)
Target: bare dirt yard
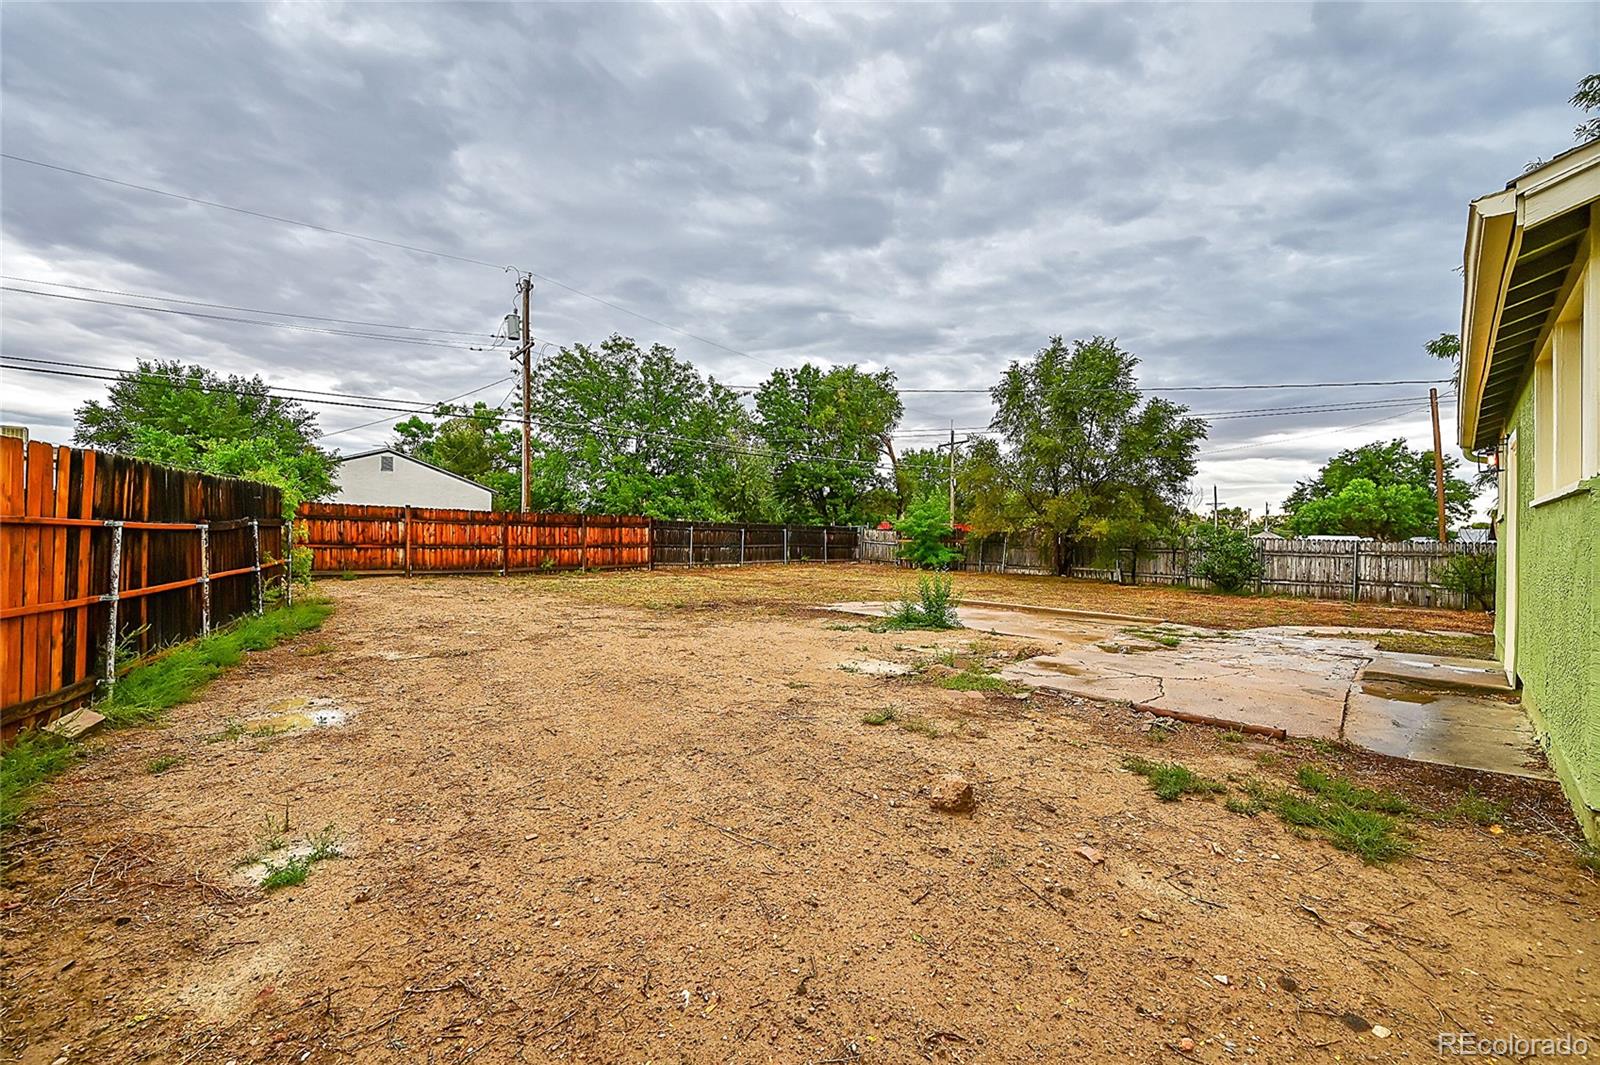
(645,817)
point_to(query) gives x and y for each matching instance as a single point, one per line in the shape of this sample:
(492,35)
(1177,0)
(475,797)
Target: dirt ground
(639,817)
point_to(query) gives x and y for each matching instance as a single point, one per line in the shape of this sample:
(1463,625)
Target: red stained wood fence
(99,551)
(349,539)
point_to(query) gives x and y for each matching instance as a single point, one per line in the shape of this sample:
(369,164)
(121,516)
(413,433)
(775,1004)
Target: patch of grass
(1269,759)
(1476,809)
(35,756)
(293,872)
(973,679)
(1447,645)
(878,717)
(1351,818)
(321,647)
(1160,636)
(1375,837)
(1341,791)
(177,676)
(1171,780)
(921,726)
(160,765)
(1325,748)
(147,691)
(934,608)
(1589,858)
(1233,735)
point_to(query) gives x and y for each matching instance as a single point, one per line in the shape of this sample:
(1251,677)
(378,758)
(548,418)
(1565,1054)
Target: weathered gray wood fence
(1359,570)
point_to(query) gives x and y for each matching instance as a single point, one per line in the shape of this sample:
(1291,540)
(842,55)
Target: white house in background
(386,478)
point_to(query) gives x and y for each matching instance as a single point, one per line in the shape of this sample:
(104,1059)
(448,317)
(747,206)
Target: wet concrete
(1307,682)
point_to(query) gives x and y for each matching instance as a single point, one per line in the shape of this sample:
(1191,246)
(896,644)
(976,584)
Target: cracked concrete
(1310,683)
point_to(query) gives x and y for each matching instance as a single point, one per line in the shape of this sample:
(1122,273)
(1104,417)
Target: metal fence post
(691,544)
(786,544)
(825,543)
(205,579)
(1355,572)
(1005,548)
(112,597)
(741,544)
(261,581)
(288,562)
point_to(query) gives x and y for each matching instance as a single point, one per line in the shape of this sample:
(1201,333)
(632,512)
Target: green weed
(1375,837)
(1476,809)
(1171,780)
(1340,790)
(32,758)
(1233,735)
(973,679)
(293,872)
(161,765)
(1589,858)
(934,608)
(147,691)
(231,731)
(177,676)
(878,717)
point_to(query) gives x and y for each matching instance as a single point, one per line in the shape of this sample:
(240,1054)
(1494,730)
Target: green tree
(1084,455)
(828,431)
(1383,490)
(928,534)
(196,419)
(627,430)
(1587,100)
(1362,508)
(479,443)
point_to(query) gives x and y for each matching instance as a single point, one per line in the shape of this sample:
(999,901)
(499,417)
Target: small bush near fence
(1226,557)
(934,608)
(1469,576)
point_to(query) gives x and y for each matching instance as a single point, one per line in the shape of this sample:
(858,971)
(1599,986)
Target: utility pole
(952,446)
(952,472)
(1438,461)
(1216,520)
(526,287)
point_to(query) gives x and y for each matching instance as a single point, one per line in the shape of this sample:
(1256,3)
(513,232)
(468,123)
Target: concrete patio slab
(1305,682)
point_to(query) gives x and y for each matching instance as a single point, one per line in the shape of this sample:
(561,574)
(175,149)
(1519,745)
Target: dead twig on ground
(741,837)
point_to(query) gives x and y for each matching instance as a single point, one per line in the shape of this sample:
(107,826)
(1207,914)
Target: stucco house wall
(1558,620)
(408,483)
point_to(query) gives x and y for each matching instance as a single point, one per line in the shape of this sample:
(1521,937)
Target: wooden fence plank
(55,565)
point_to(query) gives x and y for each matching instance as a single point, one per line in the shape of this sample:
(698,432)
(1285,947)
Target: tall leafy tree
(1587,100)
(828,431)
(924,471)
(195,419)
(1382,490)
(476,442)
(628,430)
(1082,453)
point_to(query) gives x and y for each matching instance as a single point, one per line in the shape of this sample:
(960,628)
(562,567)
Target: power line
(1186,388)
(400,245)
(419,341)
(1313,432)
(248,310)
(417,407)
(437,405)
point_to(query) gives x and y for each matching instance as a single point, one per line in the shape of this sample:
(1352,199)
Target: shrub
(934,607)
(1470,576)
(927,532)
(1225,557)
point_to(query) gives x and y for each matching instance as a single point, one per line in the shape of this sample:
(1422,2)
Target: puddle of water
(1398,692)
(1050,665)
(876,667)
(297,714)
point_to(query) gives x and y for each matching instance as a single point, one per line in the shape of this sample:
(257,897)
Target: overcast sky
(1261,193)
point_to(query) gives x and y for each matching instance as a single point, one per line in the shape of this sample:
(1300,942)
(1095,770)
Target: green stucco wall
(1558,623)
